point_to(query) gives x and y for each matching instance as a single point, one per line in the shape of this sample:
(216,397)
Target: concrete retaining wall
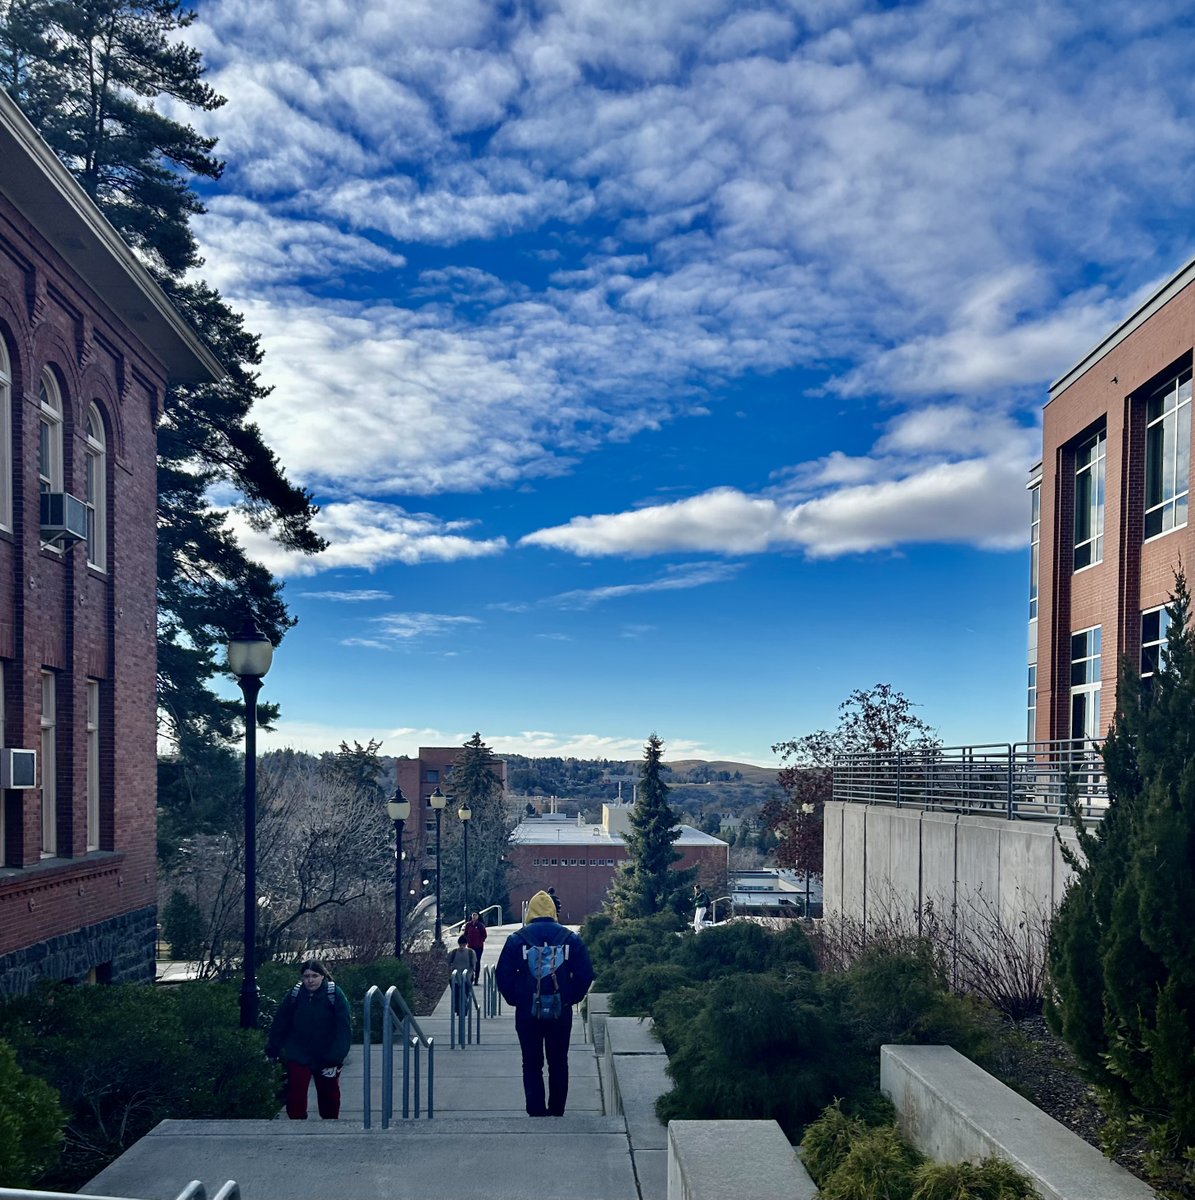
(733,1160)
(882,861)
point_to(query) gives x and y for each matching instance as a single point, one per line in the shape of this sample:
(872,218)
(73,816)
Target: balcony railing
(1018,781)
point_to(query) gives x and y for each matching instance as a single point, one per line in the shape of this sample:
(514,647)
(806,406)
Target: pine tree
(90,75)
(648,884)
(1122,957)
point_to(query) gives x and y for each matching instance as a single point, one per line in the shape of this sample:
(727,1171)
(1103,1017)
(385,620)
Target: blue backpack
(543,962)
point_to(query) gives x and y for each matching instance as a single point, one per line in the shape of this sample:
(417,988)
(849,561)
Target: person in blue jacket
(543,999)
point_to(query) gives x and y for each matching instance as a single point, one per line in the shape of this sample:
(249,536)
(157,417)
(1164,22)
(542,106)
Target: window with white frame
(5,438)
(1155,629)
(93,764)
(49,462)
(48,762)
(1089,500)
(1086,653)
(1168,456)
(96,456)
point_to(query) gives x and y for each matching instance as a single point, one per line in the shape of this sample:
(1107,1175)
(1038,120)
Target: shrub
(183,926)
(744,946)
(127,1056)
(641,991)
(828,1141)
(31,1121)
(880,1165)
(992,1179)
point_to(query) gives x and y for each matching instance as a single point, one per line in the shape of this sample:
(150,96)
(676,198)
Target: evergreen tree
(647,883)
(475,783)
(1122,958)
(90,75)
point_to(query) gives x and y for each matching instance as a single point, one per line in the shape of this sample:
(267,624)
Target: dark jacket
(514,976)
(309,1030)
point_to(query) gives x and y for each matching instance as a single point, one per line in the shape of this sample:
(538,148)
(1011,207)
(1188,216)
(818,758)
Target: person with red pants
(311,1034)
(475,933)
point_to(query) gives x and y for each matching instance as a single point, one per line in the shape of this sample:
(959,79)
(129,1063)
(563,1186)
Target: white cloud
(679,577)
(357,596)
(411,626)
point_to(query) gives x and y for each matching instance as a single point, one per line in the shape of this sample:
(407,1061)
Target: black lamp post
(465,813)
(249,656)
(437,800)
(398,808)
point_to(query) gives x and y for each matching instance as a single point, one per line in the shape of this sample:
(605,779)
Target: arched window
(5,438)
(97,491)
(49,463)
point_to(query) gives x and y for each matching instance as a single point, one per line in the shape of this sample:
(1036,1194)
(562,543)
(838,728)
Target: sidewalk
(480,1145)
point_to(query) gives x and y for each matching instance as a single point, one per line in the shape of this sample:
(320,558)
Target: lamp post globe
(465,813)
(250,655)
(437,800)
(398,809)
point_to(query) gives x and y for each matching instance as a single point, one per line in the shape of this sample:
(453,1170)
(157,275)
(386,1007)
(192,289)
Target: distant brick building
(580,860)
(87,343)
(1111,513)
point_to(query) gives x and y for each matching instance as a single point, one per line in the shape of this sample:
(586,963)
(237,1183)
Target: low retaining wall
(734,1160)
(952,1110)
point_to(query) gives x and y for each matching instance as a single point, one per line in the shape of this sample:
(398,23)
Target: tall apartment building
(87,344)
(1111,513)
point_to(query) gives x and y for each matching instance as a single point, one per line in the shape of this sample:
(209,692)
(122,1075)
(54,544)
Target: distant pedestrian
(475,935)
(462,958)
(555,901)
(701,905)
(311,1033)
(543,970)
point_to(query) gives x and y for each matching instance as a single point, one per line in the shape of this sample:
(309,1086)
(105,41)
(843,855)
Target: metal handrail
(714,908)
(491,998)
(413,1039)
(1014,780)
(463,1009)
(194,1190)
(459,925)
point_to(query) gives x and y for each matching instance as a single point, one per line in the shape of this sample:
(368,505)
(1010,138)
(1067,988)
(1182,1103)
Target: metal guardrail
(453,931)
(465,1011)
(1017,781)
(491,998)
(413,1042)
(193,1191)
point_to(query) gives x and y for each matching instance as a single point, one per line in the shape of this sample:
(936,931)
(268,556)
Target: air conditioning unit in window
(63,519)
(18,769)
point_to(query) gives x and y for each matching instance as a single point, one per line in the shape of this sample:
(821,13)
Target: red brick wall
(57,613)
(1133,576)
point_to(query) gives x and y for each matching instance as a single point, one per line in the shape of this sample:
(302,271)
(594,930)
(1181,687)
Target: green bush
(880,1165)
(183,927)
(125,1057)
(641,991)
(31,1121)
(828,1141)
(744,946)
(992,1179)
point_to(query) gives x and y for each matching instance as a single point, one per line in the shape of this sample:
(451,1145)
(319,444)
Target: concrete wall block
(832,857)
(854,860)
(734,1160)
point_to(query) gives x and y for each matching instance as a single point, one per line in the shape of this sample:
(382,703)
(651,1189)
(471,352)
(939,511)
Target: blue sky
(675,366)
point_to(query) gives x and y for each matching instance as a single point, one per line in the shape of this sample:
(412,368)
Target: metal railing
(491,998)
(193,1191)
(413,1042)
(1017,781)
(464,1011)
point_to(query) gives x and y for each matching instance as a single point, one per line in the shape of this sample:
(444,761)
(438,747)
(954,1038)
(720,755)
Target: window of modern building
(93,764)
(432,777)
(49,462)
(5,438)
(1089,500)
(1031,734)
(97,491)
(48,762)
(1168,456)
(1085,683)
(1155,628)
(1034,549)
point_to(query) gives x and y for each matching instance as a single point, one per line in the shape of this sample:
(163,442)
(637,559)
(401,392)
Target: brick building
(87,343)
(1110,513)
(579,860)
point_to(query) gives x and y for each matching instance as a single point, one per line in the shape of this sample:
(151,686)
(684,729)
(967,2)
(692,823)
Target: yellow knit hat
(540,905)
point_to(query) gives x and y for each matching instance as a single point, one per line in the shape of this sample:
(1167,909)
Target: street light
(806,811)
(438,800)
(465,812)
(398,808)
(249,656)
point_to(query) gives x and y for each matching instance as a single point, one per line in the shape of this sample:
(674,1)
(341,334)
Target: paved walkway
(481,1144)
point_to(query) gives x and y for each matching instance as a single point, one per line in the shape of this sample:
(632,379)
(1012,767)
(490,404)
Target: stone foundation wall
(120,949)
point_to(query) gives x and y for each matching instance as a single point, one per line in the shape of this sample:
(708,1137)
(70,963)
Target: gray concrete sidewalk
(480,1144)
